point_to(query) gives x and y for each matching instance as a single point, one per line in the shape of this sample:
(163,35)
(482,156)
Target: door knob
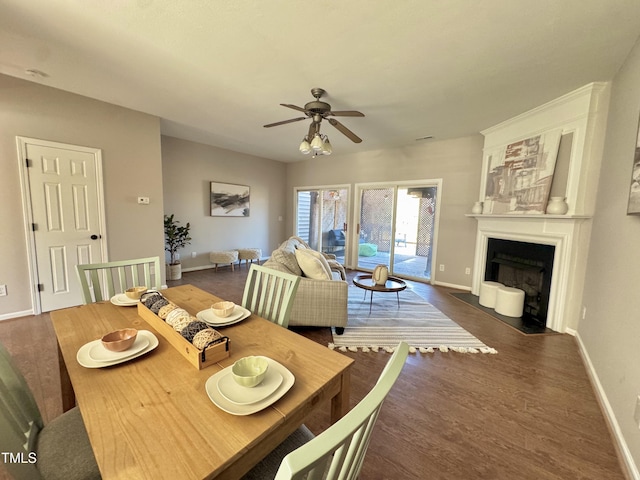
(95,237)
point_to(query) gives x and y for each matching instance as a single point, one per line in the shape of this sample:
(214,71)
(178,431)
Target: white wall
(188,168)
(130,144)
(610,331)
(458,162)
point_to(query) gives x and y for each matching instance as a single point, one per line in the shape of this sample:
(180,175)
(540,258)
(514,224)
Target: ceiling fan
(318,111)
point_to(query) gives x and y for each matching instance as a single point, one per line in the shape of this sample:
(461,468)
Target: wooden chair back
(270,294)
(339,451)
(20,420)
(101,281)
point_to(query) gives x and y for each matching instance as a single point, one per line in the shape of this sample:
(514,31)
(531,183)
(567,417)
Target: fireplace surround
(581,117)
(568,235)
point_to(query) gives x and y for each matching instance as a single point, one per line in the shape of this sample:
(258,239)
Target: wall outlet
(143,200)
(636,413)
(3,290)
(193,254)
(442,267)
(467,271)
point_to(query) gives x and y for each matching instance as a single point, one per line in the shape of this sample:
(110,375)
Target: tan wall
(188,169)
(610,331)
(130,144)
(457,162)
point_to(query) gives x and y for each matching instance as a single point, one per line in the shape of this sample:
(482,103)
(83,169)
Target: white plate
(121,300)
(100,354)
(86,361)
(240,395)
(211,386)
(207,316)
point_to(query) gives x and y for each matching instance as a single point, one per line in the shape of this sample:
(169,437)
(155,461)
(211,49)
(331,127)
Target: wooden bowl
(135,293)
(120,340)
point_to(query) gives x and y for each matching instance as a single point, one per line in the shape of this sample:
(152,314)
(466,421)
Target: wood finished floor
(528,412)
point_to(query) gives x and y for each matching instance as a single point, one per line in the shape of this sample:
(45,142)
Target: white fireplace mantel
(582,116)
(569,235)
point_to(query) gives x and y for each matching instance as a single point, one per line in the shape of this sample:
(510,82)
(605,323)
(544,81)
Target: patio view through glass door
(321,219)
(396,229)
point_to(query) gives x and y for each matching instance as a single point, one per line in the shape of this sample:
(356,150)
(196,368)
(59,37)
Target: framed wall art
(634,189)
(229,200)
(519,175)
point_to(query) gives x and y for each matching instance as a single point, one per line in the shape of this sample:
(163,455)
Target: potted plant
(175,237)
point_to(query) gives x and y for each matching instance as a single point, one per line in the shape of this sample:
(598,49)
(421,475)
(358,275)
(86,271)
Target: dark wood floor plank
(528,412)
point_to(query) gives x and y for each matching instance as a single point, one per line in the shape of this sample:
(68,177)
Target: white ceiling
(215,71)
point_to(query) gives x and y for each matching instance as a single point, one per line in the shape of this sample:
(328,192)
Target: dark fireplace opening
(523,265)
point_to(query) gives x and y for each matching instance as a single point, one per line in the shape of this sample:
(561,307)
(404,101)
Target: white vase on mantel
(477,208)
(557,206)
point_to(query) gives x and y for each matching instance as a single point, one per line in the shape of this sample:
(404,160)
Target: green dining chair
(111,278)
(339,451)
(59,450)
(270,294)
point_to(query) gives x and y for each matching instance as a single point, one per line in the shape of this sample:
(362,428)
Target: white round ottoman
(249,255)
(510,301)
(224,258)
(488,291)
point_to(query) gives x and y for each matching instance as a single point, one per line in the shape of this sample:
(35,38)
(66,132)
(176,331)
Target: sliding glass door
(321,219)
(397,227)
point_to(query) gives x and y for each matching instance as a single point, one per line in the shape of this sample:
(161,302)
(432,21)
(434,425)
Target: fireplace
(526,266)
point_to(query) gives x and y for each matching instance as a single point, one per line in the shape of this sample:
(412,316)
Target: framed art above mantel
(229,200)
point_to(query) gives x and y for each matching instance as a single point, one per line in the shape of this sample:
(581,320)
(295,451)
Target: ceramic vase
(477,208)
(557,206)
(380,274)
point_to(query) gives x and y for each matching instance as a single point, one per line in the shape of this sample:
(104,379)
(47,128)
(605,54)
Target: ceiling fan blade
(347,113)
(285,121)
(295,107)
(348,133)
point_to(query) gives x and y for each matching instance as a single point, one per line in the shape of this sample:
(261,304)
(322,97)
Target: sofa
(318,302)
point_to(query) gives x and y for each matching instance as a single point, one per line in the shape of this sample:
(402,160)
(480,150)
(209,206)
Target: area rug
(415,321)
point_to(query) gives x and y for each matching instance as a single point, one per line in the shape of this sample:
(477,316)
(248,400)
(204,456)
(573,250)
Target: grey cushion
(269,465)
(63,449)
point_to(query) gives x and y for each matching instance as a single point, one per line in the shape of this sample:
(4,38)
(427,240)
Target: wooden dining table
(151,417)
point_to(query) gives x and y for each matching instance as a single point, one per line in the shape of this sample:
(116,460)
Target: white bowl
(223,309)
(250,371)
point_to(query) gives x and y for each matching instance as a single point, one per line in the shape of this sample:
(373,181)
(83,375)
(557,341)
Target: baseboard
(195,269)
(628,464)
(9,316)
(452,285)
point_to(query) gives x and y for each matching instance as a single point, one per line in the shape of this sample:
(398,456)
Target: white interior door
(65,196)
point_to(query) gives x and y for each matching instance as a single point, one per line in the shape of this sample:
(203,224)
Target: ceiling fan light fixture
(327,149)
(316,143)
(305,147)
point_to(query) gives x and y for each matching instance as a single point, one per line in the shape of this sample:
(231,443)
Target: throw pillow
(321,258)
(311,266)
(287,259)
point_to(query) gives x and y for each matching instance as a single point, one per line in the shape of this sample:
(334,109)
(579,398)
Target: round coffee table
(393,284)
